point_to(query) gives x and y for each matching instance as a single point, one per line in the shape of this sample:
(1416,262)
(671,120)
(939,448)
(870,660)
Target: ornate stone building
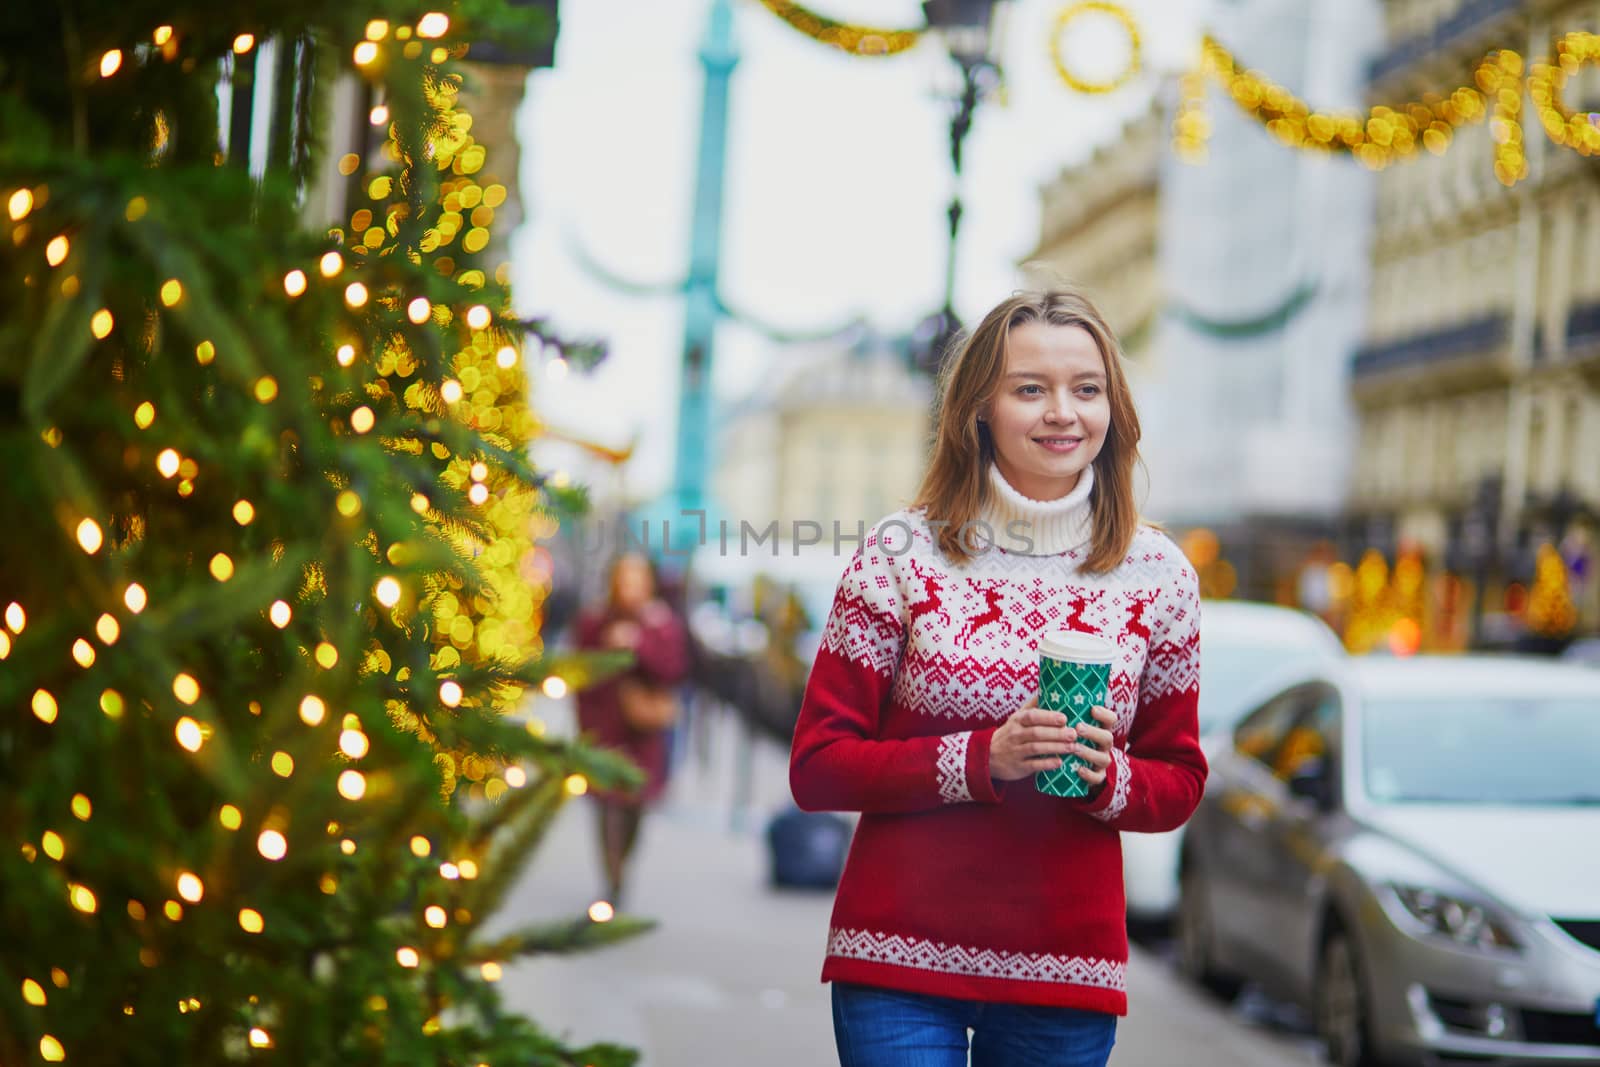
(1478,385)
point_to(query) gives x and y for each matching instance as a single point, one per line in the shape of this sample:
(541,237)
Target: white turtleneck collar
(1054,526)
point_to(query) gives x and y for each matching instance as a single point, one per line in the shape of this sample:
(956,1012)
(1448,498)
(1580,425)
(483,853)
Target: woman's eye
(1031,390)
(1090,390)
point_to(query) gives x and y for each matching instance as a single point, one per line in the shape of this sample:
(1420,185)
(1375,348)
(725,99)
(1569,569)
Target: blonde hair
(956,485)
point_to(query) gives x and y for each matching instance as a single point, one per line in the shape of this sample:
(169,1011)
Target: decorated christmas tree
(269,516)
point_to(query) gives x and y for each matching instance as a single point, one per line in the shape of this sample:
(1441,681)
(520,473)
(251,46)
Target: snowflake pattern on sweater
(958,885)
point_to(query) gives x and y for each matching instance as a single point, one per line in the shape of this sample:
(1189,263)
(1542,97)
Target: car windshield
(1231,677)
(1475,751)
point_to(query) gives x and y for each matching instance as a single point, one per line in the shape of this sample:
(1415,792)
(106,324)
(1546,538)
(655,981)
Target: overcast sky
(838,176)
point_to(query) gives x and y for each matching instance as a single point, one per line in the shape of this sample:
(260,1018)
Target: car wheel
(1341,1005)
(1193,931)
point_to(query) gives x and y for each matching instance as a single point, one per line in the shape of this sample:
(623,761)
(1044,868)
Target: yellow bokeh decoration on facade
(1550,611)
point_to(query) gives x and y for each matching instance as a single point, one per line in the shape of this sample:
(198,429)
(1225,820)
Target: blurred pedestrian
(633,712)
(971,900)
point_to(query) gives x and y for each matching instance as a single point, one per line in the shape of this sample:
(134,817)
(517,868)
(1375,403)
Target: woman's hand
(1097,759)
(1031,740)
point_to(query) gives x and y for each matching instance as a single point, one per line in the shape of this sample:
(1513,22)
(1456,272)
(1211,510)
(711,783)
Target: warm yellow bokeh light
(190,887)
(478,317)
(243,512)
(56,251)
(82,809)
(221,567)
(353,743)
(107,629)
(33,992)
(205,352)
(601,911)
(313,710)
(243,43)
(83,898)
(450,693)
(144,415)
(362,419)
(189,734)
(89,536)
(259,1038)
(478,494)
(185,688)
(450,390)
(230,817)
(282,764)
(433,24)
(491,971)
(279,614)
(345,354)
(134,597)
(506,357)
(100,324)
(171,292)
(83,653)
(479,471)
(53,846)
(294,283)
(449,871)
(577,785)
(266,388)
(352,785)
(250,921)
(377,29)
(418,310)
(387,591)
(50,1049)
(379,115)
(111,62)
(365,53)
(162,35)
(330,264)
(468,869)
(44,705)
(435,916)
(516,777)
(272,845)
(554,687)
(20,203)
(167,462)
(111,703)
(327,656)
(407,956)
(16,618)
(355,294)
(420,846)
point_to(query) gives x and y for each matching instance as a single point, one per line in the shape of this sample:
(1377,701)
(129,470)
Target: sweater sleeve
(1158,770)
(662,654)
(840,761)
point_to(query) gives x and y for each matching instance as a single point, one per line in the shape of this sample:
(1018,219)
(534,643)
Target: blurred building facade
(1099,227)
(1251,272)
(841,436)
(1478,383)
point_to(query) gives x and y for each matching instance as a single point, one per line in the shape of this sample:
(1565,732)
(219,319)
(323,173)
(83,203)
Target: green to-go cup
(1074,676)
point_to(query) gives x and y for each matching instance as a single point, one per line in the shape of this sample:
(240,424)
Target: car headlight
(1467,924)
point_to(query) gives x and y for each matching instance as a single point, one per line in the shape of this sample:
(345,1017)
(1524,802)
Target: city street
(730,975)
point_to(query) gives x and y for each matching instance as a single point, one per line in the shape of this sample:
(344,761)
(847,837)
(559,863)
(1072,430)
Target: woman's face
(631,584)
(1050,415)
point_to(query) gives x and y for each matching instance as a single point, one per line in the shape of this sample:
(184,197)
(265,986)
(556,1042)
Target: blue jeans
(888,1028)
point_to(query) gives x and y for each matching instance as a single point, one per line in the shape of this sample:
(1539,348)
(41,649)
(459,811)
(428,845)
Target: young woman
(970,900)
(632,618)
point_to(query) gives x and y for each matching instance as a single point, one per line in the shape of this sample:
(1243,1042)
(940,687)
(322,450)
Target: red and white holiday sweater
(958,885)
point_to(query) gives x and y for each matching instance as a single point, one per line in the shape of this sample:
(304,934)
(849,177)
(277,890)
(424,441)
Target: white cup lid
(1070,646)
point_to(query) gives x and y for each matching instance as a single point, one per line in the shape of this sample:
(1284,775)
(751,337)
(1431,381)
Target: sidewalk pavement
(730,976)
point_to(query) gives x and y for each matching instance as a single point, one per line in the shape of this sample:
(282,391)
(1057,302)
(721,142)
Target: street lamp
(966,27)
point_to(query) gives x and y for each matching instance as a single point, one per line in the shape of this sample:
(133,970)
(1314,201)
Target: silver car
(1411,850)
(1246,651)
